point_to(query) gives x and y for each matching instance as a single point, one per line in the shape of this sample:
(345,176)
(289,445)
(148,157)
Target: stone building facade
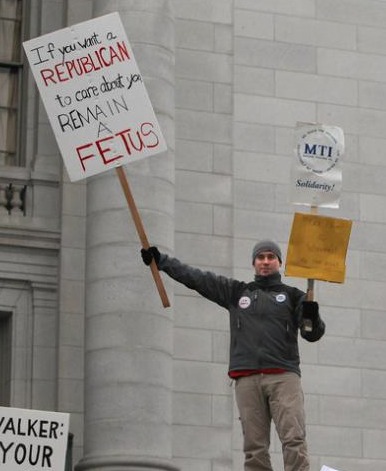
(82,329)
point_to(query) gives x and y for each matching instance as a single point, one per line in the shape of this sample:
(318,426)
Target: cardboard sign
(94,96)
(32,440)
(316,171)
(317,247)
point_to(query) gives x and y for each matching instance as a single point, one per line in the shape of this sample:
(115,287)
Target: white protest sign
(326,468)
(32,440)
(316,171)
(94,96)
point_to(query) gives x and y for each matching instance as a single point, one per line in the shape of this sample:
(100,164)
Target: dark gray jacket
(265,315)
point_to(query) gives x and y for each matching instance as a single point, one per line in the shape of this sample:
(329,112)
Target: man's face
(266,263)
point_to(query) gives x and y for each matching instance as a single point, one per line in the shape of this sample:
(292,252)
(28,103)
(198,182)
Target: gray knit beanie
(266,246)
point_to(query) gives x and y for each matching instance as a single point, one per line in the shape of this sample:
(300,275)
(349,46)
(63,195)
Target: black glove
(149,254)
(312,326)
(311,310)
(310,315)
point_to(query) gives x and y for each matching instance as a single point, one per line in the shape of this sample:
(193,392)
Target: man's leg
(286,401)
(255,422)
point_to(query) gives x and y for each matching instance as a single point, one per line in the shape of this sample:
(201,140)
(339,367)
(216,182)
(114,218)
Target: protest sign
(317,247)
(316,170)
(94,96)
(326,468)
(32,440)
(97,104)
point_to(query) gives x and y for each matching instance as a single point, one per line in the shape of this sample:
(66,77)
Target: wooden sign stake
(310,289)
(142,235)
(310,282)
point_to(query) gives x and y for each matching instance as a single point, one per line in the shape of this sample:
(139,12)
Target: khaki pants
(278,397)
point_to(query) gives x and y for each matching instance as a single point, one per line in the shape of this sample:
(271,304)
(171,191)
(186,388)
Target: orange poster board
(317,247)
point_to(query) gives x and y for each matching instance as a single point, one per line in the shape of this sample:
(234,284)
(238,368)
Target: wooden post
(310,290)
(142,235)
(310,282)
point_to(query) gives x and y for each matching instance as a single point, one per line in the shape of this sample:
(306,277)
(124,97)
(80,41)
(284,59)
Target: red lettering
(87,64)
(102,151)
(123,50)
(70,65)
(47,75)
(101,58)
(127,139)
(96,60)
(121,134)
(60,72)
(86,157)
(149,132)
(113,55)
(75,66)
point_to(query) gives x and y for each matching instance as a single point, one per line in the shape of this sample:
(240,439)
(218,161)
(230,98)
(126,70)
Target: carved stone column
(129,335)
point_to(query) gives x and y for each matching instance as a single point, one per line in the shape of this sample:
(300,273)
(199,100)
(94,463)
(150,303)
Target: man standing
(265,318)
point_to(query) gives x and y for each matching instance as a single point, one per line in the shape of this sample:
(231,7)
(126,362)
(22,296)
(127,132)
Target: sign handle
(311,282)
(142,235)
(310,290)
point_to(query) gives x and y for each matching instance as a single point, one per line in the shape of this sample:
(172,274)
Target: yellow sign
(317,247)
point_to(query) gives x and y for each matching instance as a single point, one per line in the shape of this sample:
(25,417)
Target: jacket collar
(268,281)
